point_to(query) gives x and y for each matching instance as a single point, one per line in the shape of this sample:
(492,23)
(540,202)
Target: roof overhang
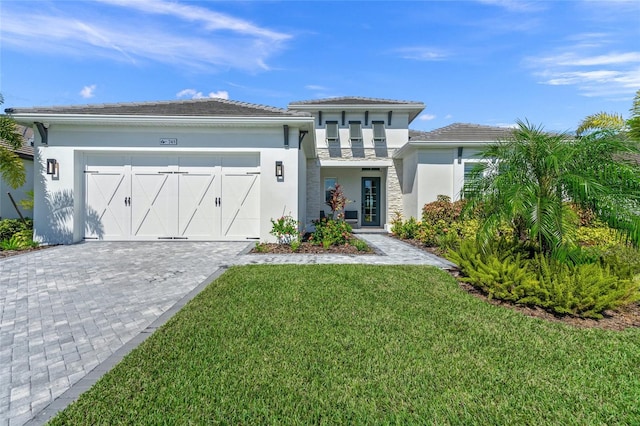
(412,146)
(164,121)
(413,109)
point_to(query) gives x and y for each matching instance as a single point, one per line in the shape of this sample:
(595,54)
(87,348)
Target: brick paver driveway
(66,309)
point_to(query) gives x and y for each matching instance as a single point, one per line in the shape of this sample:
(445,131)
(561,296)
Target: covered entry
(150,197)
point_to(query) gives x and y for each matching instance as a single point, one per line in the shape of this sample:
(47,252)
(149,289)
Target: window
(468,167)
(332,131)
(329,185)
(378,131)
(355,131)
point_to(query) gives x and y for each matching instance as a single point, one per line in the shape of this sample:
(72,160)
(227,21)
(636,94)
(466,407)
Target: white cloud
(315,87)
(515,5)
(591,65)
(448,117)
(194,94)
(213,21)
(148,31)
(426,117)
(423,53)
(88,91)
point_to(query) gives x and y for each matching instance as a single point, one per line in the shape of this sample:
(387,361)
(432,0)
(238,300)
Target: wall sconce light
(279,170)
(52,166)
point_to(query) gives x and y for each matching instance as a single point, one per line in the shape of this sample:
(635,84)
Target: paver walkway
(69,313)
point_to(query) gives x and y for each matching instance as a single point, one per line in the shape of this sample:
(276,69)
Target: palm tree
(11,167)
(601,121)
(528,181)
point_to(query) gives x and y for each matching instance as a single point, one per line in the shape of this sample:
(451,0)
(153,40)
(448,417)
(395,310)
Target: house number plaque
(168,141)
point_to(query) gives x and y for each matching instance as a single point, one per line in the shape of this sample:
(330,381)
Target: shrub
(624,261)
(8,227)
(285,229)
(330,232)
(442,210)
(584,290)
(504,275)
(359,244)
(597,234)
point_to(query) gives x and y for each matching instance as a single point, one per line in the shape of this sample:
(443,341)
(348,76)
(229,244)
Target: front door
(370,201)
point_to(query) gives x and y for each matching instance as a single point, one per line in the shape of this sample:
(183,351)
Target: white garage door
(159,197)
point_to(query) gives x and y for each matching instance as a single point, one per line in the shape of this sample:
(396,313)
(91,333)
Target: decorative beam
(44,132)
(286,135)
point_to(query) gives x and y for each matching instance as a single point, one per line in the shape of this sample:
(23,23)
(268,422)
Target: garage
(160,197)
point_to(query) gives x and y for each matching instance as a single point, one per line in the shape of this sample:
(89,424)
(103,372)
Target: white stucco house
(215,169)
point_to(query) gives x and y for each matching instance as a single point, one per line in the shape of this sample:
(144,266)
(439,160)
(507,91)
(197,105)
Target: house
(436,162)
(215,169)
(7,209)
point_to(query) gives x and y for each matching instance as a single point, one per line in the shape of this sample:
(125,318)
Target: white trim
(159,120)
(411,146)
(364,163)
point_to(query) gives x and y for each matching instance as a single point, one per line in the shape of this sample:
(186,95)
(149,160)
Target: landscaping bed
(308,248)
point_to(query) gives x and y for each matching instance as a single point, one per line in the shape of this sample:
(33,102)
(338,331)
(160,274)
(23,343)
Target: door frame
(377,210)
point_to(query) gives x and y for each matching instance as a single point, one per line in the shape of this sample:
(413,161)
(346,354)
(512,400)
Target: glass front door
(370,201)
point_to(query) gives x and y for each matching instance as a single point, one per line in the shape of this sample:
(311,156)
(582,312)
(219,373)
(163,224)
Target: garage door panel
(197,209)
(153,205)
(107,216)
(241,205)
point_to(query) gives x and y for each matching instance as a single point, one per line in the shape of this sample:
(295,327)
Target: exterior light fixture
(52,166)
(279,170)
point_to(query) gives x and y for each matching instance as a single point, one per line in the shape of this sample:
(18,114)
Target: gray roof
(193,108)
(26,151)
(462,132)
(355,101)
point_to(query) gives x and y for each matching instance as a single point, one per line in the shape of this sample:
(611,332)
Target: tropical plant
(600,121)
(11,168)
(527,181)
(337,201)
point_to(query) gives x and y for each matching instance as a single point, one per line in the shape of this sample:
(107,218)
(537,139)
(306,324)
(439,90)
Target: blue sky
(486,62)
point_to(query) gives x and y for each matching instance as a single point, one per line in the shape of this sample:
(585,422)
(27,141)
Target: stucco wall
(59,200)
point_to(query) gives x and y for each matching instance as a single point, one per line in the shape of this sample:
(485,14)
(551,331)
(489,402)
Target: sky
(488,62)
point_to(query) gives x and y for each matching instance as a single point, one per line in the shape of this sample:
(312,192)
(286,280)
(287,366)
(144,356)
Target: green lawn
(345,344)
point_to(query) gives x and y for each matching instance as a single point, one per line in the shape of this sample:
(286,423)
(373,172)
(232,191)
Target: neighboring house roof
(462,132)
(361,103)
(191,108)
(26,150)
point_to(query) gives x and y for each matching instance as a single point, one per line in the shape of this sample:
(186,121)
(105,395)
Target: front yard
(358,344)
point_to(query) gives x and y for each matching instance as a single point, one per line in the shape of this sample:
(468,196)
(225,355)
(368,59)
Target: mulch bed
(625,317)
(9,253)
(308,248)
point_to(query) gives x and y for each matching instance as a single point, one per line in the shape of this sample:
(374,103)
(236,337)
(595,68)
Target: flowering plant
(286,229)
